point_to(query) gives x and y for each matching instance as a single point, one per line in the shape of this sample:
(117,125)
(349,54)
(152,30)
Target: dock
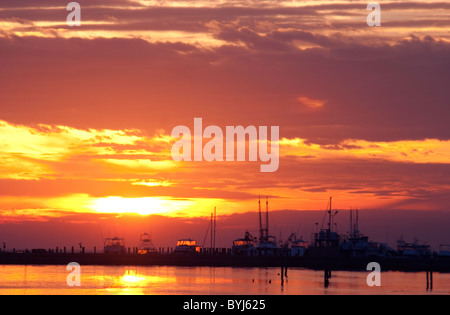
(226,259)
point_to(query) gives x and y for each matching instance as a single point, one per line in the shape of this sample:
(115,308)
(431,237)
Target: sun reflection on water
(133,282)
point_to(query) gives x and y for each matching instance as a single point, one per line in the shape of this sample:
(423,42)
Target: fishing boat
(267,245)
(114,245)
(327,237)
(413,249)
(146,245)
(294,246)
(358,245)
(244,246)
(187,246)
(444,250)
(299,247)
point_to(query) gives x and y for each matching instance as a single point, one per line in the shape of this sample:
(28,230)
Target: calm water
(209,281)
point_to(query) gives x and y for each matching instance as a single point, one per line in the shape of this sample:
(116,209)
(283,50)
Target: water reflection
(208,280)
(132,280)
(133,277)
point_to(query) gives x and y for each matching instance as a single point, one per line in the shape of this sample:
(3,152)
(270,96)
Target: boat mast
(330,224)
(261,231)
(267,218)
(215,220)
(329,218)
(357,221)
(351,222)
(210,229)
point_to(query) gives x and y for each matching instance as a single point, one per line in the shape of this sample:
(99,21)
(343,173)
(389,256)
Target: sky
(86,115)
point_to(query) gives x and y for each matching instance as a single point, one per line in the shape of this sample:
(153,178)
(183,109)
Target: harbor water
(171,280)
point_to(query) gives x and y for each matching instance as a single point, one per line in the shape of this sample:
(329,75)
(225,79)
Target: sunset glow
(87,112)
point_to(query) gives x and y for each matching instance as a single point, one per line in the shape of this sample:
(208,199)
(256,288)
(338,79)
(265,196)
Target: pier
(223,257)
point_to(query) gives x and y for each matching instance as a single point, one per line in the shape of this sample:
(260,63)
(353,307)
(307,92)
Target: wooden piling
(431,280)
(327,274)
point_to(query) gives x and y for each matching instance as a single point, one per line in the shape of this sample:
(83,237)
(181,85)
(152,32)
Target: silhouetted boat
(267,245)
(358,245)
(294,247)
(114,245)
(327,237)
(413,249)
(187,246)
(444,250)
(146,245)
(299,247)
(244,246)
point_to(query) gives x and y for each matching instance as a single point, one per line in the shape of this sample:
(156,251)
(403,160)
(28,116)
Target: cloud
(424,151)
(87,112)
(381,104)
(311,103)
(187,21)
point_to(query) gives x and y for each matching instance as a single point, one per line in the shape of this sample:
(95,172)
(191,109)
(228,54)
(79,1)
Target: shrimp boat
(267,243)
(358,245)
(114,245)
(327,238)
(146,245)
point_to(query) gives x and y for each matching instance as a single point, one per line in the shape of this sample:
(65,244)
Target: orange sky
(138,175)
(87,112)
